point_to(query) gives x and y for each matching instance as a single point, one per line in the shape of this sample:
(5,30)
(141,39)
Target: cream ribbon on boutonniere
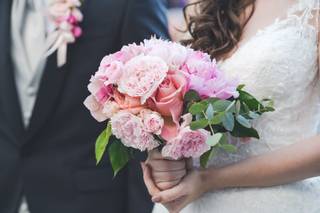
(65,16)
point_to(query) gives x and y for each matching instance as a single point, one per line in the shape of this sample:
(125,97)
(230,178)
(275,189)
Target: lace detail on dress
(280,62)
(310,12)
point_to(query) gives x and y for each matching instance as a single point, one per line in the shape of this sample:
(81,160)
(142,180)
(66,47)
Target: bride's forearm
(289,164)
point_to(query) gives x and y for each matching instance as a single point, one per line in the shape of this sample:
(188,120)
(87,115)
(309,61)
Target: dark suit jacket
(52,162)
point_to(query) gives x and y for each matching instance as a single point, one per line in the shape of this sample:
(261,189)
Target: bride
(273,48)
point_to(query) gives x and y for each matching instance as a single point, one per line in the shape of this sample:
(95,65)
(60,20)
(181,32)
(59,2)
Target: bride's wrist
(212,179)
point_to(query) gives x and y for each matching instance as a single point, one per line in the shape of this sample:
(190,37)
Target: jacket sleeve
(143,19)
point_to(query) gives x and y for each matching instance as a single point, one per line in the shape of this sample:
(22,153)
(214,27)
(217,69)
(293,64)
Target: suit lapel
(50,90)
(48,95)
(9,97)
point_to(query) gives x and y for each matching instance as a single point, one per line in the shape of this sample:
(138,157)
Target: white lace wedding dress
(279,62)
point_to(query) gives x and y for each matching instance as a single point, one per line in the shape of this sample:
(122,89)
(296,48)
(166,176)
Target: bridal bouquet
(160,94)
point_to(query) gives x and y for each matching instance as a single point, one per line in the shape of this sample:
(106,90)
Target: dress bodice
(280,62)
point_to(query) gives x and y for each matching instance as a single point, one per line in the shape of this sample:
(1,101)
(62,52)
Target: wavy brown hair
(217,25)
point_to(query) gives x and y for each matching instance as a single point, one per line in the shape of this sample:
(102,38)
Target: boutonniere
(65,17)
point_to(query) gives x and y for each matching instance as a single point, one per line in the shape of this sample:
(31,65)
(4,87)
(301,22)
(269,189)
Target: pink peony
(99,90)
(95,108)
(218,87)
(173,54)
(110,70)
(205,78)
(199,64)
(130,130)
(110,108)
(142,76)
(188,144)
(132,50)
(153,122)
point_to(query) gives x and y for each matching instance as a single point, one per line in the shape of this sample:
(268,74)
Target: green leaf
(243,132)
(200,124)
(240,87)
(228,121)
(238,107)
(102,142)
(217,119)
(221,105)
(224,139)
(210,112)
(267,105)
(243,121)
(213,140)
(191,95)
(249,100)
(267,109)
(204,159)
(197,108)
(231,107)
(229,148)
(253,115)
(212,100)
(119,156)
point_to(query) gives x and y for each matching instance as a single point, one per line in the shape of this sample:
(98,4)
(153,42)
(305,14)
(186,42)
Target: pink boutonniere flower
(65,16)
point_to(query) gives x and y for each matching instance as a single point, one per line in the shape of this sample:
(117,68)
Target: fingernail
(156,199)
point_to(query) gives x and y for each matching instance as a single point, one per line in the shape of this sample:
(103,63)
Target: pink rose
(99,90)
(168,99)
(153,122)
(188,144)
(129,129)
(95,108)
(142,76)
(128,103)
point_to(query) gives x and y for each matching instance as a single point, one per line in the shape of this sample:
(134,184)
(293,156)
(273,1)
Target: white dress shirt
(28,34)
(28,30)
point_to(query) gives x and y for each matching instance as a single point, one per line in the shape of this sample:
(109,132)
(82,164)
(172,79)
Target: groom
(46,134)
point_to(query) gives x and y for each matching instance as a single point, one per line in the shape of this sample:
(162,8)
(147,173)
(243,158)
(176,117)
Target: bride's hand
(164,172)
(175,199)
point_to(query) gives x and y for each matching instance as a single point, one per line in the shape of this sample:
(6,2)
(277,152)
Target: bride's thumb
(169,195)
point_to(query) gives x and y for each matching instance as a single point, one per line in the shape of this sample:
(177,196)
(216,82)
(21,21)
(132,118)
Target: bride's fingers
(167,185)
(155,154)
(170,195)
(152,189)
(159,177)
(164,165)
